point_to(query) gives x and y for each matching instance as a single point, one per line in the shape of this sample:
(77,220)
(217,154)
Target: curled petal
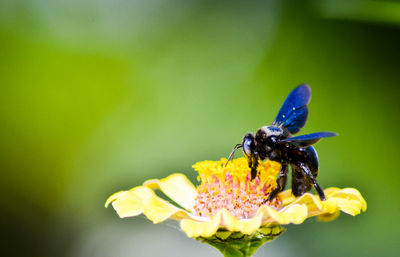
(353,196)
(113,197)
(295,213)
(287,197)
(328,216)
(348,200)
(195,228)
(143,200)
(245,226)
(330,191)
(177,187)
(312,202)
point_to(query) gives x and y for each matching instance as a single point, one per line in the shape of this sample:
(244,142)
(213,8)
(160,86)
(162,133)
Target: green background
(98,96)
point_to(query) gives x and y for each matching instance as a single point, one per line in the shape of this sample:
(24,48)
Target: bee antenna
(237,146)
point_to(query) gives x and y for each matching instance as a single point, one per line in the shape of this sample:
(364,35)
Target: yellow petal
(328,206)
(207,228)
(177,187)
(330,191)
(351,194)
(351,207)
(245,226)
(311,201)
(314,205)
(113,197)
(143,200)
(127,204)
(328,216)
(295,213)
(287,197)
(348,200)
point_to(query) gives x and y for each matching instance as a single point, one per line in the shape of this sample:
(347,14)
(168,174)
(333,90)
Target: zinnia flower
(228,210)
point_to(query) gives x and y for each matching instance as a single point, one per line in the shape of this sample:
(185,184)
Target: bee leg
(317,187)
(253,167)
(280,182)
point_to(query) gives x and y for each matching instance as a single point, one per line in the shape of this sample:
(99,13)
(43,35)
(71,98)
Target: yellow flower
(227,201)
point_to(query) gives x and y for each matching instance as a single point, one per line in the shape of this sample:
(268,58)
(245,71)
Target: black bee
(276,143)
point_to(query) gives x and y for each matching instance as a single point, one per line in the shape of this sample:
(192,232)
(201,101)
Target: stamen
(231,187)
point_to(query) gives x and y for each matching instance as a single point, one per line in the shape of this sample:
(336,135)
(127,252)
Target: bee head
(248,144)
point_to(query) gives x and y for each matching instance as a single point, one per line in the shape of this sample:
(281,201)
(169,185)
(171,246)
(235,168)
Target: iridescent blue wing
(309,139)
(294,111)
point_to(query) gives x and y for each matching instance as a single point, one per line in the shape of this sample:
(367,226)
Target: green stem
(236,244)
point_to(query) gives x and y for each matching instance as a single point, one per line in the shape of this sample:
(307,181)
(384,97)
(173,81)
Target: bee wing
(294,111)
(309,139)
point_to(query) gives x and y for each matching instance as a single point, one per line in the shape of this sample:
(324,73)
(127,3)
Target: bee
(276,143)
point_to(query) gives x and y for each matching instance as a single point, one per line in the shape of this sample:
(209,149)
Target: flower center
(230,187)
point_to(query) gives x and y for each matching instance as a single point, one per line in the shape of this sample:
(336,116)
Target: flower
(228,205)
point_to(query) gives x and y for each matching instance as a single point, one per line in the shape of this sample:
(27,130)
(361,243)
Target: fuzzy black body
(276,143)
(269,144)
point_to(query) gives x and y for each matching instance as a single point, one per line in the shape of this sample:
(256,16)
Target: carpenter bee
(276,143)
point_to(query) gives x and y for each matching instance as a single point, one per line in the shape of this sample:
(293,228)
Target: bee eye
(246,148)
(248,144)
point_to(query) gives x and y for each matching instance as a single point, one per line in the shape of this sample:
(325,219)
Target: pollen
(231,187)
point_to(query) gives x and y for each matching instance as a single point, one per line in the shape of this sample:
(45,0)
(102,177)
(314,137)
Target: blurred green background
(98,96)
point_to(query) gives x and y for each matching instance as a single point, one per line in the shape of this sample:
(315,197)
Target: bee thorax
(271,131)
